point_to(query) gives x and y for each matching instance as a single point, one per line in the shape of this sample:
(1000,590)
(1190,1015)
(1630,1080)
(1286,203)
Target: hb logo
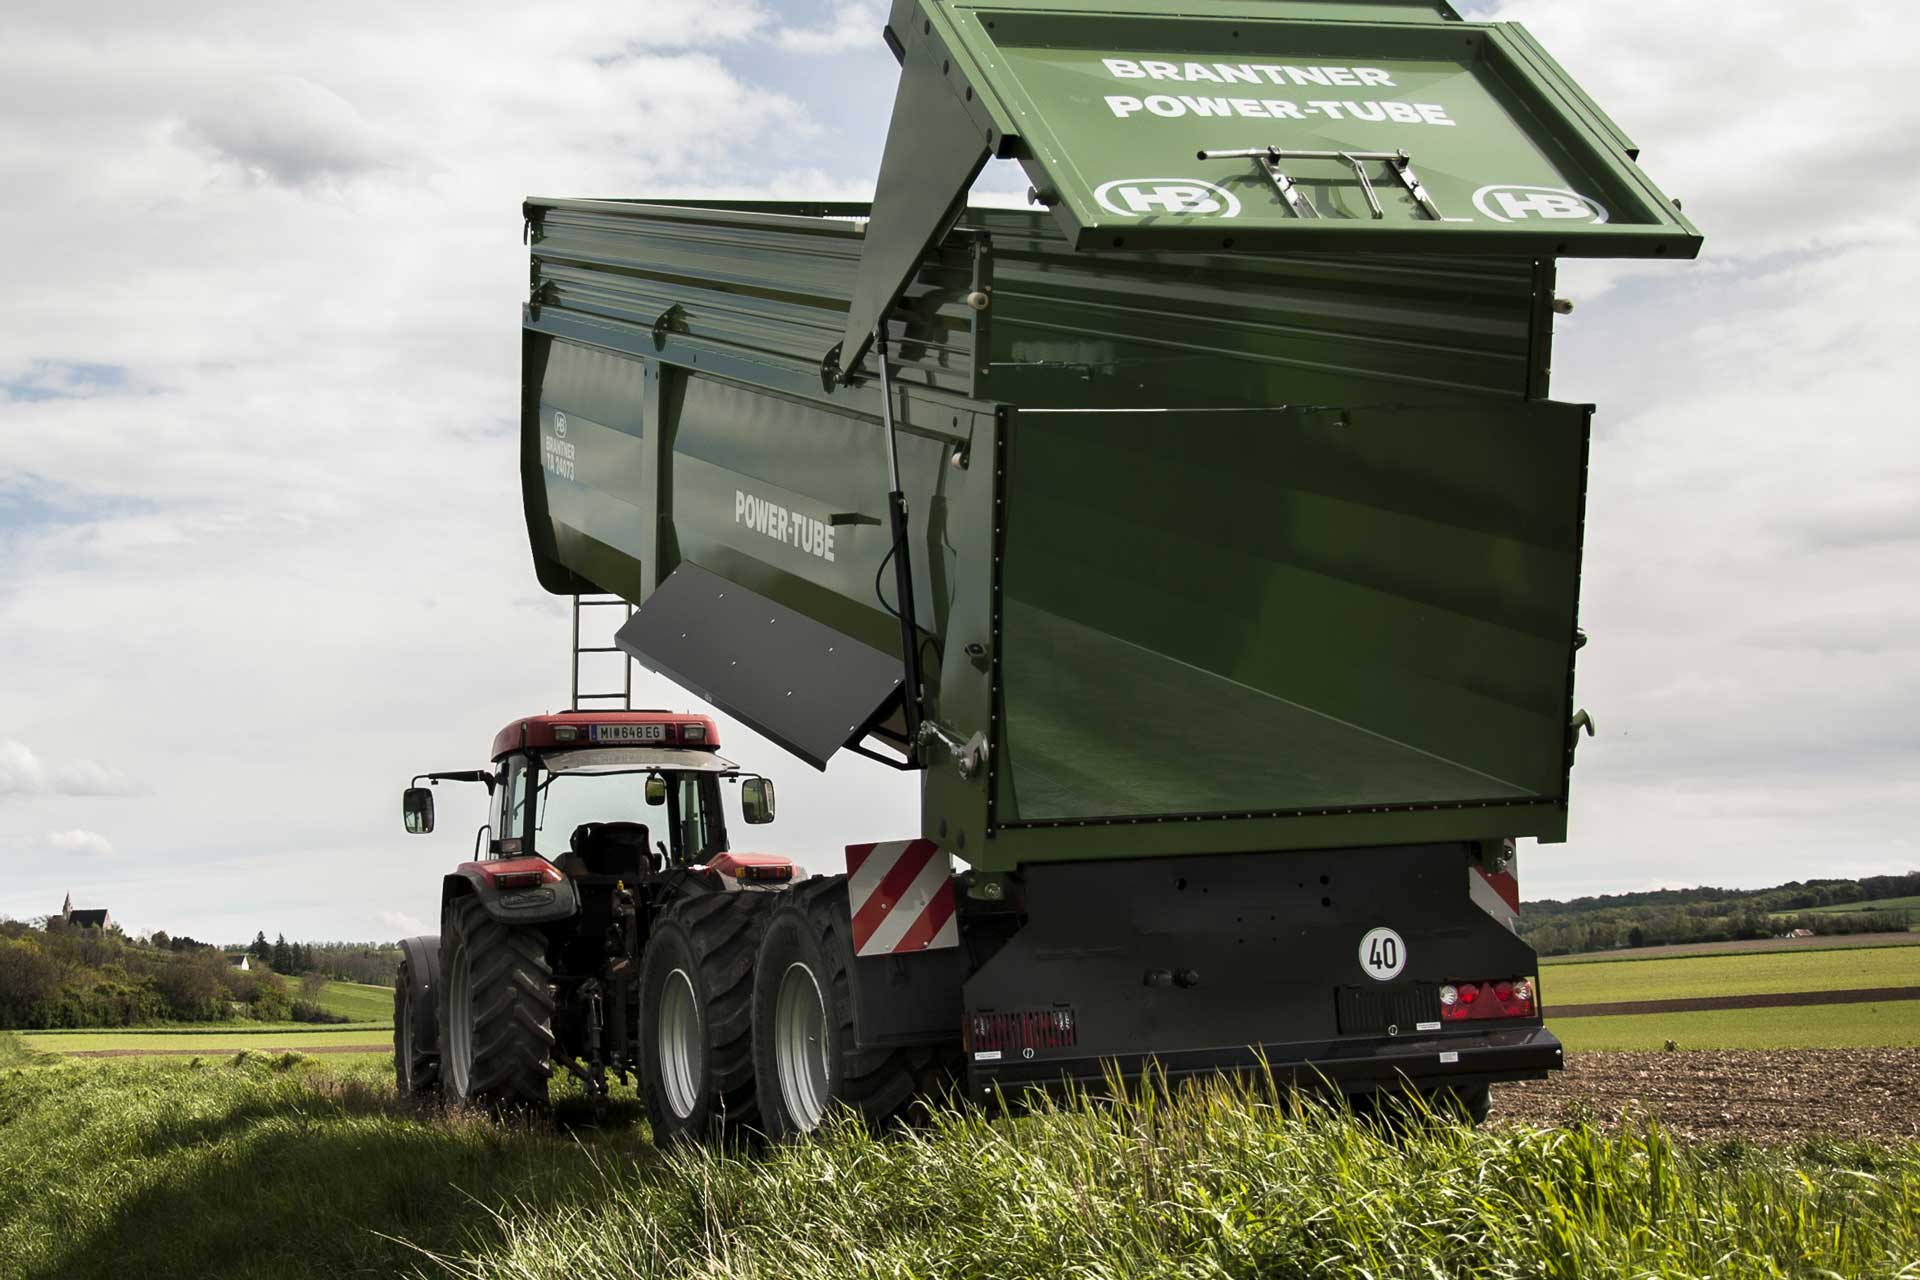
(1505,203)
(560,425)
(1184,197)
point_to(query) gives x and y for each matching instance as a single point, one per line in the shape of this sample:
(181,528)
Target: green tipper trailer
(1204,536)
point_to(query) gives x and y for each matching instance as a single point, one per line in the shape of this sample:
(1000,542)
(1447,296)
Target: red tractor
(604,926)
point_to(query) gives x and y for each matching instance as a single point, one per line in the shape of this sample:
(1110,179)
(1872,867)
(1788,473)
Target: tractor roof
(601,729)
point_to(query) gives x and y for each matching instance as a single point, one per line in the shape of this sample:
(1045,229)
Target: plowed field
(1759,1095)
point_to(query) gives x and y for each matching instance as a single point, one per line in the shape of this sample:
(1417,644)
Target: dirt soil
(1761,1000)
(1760,1095)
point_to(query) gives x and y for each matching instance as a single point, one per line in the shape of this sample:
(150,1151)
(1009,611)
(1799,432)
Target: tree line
(1666,916)
(54,975)
(61,976)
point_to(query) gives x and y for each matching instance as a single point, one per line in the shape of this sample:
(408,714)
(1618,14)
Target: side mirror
(656,789)
(417,805)
(756,800)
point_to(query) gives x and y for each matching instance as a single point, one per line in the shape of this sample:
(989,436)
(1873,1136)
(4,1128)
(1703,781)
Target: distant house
(240,960)
(91,918)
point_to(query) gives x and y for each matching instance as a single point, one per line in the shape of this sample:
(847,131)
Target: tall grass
(279,1167)
(1230,1180)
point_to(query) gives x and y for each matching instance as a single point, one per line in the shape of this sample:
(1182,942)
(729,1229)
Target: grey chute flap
(806,686)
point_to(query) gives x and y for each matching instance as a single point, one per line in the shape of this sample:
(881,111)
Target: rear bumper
(1352,1066)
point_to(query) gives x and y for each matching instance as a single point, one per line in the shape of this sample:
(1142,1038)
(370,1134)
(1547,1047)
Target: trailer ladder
(624,694)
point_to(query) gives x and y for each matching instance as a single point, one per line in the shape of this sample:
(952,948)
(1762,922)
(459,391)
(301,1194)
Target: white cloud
(23,774)
(402,925)
(847,24)
(288,129)
(78,840)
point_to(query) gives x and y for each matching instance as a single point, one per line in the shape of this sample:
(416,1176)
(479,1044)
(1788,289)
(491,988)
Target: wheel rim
(459,1030)
(680,1044)
(800,1046)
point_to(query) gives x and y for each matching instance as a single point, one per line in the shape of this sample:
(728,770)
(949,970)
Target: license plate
(629,733)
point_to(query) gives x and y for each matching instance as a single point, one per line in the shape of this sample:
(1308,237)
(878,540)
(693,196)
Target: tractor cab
(628,794)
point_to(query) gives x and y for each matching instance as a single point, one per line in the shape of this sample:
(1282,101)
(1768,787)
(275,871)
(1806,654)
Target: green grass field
(1908,903)
(289,1170)
(1780,946)
(1728,974)
(1895,1024)
(228,1039)
(358,1002)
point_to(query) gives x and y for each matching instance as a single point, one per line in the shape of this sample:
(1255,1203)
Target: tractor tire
(416,1029)
(696,1017)
(804,1053)
(495,1011)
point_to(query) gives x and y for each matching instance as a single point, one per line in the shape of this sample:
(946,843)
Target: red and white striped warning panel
(1497,893)
(901,894)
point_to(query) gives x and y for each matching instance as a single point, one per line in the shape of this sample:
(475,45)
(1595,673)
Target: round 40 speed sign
(1383,954)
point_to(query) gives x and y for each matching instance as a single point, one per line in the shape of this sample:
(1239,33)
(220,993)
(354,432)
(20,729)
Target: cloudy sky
(260,549)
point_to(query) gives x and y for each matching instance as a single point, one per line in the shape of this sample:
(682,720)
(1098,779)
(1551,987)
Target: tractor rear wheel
(804,1054)
(496,1010)
(416,1037)
(696,1015)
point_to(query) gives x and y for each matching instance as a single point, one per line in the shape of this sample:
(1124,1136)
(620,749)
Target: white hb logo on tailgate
(1187,197)
(1505,202)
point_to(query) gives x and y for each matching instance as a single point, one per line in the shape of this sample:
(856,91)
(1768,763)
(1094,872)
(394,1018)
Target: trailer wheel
(1473,1104)
(496,1010)
(696,1017)
(1445,1103)
(416,1033)
(804,1054)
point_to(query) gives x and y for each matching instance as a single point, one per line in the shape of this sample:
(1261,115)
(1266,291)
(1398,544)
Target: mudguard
(554,897)
(423,967)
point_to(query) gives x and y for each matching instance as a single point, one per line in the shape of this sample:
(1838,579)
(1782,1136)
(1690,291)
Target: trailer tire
(696,1017)
(495,1010)
(1446,1104)
(416,1031)
(1472,1104)
(806,1060)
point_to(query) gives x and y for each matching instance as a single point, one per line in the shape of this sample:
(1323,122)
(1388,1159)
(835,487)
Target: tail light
(761,867)
(519,873)
(987,1036)
(1487,998)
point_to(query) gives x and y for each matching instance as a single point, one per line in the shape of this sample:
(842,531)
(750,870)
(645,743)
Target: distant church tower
(66,908)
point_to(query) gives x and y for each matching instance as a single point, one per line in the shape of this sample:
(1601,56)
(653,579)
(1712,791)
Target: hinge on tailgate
(1399,165)
(664,324)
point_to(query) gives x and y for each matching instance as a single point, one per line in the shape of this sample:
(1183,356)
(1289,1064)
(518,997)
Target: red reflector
(1032,1029)
(1490,998)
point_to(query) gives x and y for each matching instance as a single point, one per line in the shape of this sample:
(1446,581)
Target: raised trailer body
(1242,535)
